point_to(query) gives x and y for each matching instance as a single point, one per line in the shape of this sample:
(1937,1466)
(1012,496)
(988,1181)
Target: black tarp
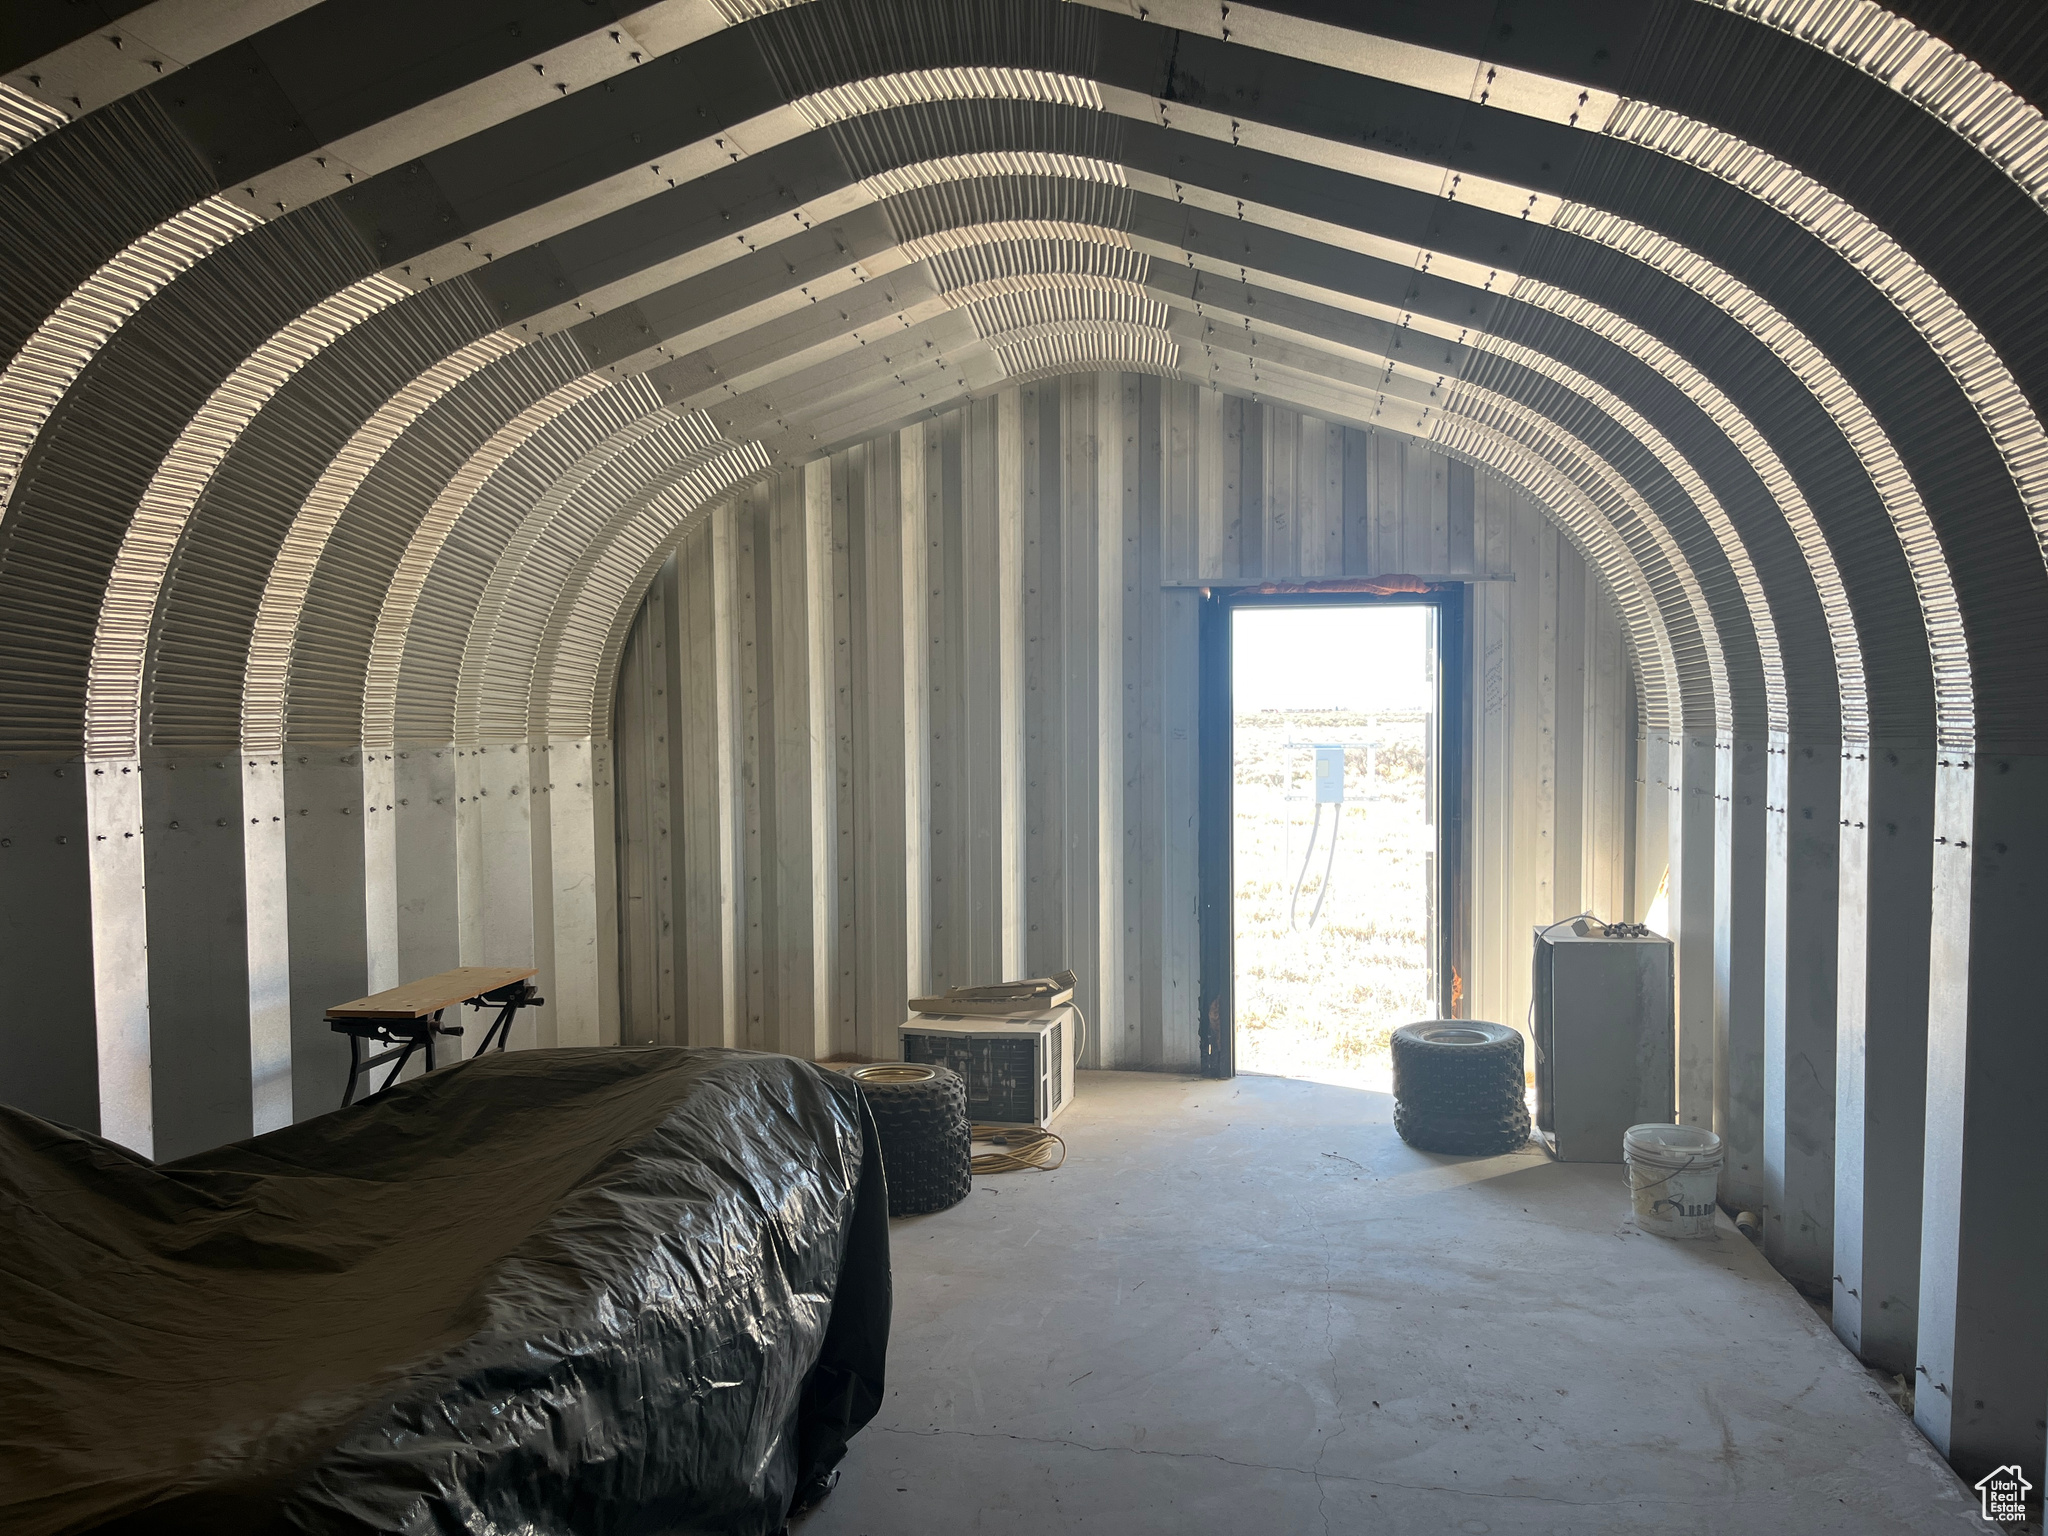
(574,1291)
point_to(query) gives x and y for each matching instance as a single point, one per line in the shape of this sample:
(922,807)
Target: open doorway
(1336,846)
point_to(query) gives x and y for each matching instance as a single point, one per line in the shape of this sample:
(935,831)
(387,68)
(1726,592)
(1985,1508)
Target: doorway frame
(1217,876)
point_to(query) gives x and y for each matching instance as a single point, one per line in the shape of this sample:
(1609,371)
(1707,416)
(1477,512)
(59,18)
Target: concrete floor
(1247,1307)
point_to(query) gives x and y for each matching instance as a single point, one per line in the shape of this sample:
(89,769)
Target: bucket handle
(1628,1172)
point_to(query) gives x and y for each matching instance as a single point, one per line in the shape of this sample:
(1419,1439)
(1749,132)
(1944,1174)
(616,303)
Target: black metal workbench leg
(355,1069)
(403,1057)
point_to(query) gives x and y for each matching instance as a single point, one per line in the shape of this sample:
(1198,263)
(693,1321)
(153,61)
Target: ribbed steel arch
(1940,322)
(277,627)
(519,652)
(926,180)
(1356,406)
(576,673)
(62,63)
(973,284)
(375,83)
(494,698)
(1359,406)
(1713,713)
(120,642)
(1968,228)
(1837,616)
(329,662)
(456,552)
(401,602)
(147,427)
(1858,241)
(1835,700)
(24,119)
(1780,691)
(1609,552)
(320,444)
(1979,108)
(922,252)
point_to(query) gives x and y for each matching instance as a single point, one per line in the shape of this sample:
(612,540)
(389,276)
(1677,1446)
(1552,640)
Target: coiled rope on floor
(1025,1147)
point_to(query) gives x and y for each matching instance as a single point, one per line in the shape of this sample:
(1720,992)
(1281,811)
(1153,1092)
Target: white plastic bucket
(1674,1174)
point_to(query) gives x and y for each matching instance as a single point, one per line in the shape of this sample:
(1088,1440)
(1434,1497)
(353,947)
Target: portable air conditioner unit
(1018,1070)
(1603,1034)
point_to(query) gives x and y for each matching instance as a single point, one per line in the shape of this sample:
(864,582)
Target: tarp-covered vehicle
(574,1291)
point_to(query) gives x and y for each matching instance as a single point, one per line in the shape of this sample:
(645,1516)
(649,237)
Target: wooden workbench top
(417,999)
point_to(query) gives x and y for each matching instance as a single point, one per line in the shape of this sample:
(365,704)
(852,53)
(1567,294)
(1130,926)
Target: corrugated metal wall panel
(1107,486)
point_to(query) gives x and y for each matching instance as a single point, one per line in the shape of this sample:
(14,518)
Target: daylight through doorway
(1334,780)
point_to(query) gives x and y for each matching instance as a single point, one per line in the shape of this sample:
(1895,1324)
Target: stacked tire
(927,1147)
(1458,1087)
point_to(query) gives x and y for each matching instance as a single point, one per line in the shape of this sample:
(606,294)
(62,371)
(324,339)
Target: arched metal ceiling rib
(291,575)
(64,61)
(493,687)
(457,565)
(429,537)
(113,712)
(1354,410)
(310,106)
(207,619)
(1152,360)
(1995,120)
(574,675)
(23,119)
